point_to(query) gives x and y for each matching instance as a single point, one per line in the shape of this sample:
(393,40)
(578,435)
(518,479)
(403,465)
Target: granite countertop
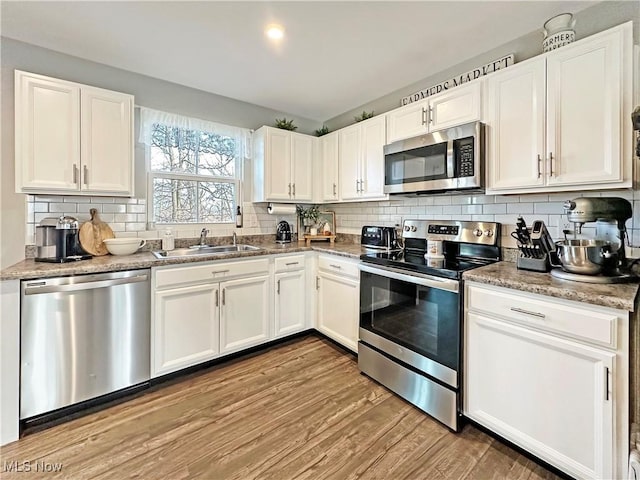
(30,269)
(505,274)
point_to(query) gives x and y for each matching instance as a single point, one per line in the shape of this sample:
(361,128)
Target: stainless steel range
(411,312)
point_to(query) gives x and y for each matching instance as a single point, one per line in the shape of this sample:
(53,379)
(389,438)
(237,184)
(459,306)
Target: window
(194,168)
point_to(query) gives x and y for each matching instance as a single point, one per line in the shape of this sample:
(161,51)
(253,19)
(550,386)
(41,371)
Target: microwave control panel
(464,157)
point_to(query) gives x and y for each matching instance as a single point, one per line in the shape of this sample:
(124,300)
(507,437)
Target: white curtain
(149,117)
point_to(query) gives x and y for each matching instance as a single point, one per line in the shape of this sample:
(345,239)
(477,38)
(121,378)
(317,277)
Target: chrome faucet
(203,237)
(235,239)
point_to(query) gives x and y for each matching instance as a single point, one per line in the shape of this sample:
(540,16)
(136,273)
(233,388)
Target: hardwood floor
(299,411)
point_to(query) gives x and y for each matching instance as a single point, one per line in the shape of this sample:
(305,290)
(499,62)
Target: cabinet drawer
(546,313)
(209,272)
(331,263)
(289,263)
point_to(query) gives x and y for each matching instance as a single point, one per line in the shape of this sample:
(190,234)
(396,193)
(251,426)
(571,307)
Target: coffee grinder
(57,241)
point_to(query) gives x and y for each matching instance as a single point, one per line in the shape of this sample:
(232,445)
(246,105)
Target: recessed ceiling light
(275,32)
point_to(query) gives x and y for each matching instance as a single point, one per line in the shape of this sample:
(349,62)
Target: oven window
(423,319)
(417,165)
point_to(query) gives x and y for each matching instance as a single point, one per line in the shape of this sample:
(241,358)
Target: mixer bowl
(586,257)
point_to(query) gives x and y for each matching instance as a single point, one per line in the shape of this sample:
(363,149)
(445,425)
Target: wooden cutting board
(93,233)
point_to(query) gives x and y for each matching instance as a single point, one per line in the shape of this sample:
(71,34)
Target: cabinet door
(244,313)
(515,127)
(584,110)
(329,171)
(455,107)
(339,309)
(278,165)
(289,303)
(349,159)
(408,121)
(372,168)
(180,340)
(551,396)
(47,116)
(302,167)
(107,141)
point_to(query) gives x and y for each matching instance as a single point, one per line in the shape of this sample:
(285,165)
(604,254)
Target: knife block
(534,264)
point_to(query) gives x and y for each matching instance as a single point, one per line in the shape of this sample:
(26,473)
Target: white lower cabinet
(202,311)
(183,339)
(244,313)
(554,391)
(338,312)
(290,307)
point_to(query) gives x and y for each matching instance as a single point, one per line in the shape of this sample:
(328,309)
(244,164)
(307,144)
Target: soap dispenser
(168,240)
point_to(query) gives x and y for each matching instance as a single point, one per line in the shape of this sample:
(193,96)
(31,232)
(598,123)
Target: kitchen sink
(198,250)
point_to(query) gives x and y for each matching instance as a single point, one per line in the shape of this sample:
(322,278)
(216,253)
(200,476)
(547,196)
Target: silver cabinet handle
(539,163)
(213,272)
(361,186)
(217,297)
(278,289)
(551,164)
(223,295)
(294,189)
(291,263)
(430,114)
(606,383)
(424,116)
(86,175)
(335,266)
(526,312)
(75,173)
(357,186)
(317,283)
(289,189)
(334,189)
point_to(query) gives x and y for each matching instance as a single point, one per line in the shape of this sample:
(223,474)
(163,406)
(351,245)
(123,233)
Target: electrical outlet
(564,225)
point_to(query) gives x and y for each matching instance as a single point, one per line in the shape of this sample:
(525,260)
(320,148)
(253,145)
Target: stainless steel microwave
(450,159)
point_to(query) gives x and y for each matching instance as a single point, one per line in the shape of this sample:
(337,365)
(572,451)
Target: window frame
(236,180)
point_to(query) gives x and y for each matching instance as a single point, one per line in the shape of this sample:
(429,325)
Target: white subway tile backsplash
(107,208)
(549,207)
(63,207)
(40,207)
(443,200)
(520,208)
(103,200)
(136,208)
(471,209)
(76,199)
(494,208)
(125,217)
(452,209)
(117,227)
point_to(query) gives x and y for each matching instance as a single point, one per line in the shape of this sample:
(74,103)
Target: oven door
(414,318)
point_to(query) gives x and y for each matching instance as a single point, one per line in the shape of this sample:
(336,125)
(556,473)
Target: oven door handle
(424,280)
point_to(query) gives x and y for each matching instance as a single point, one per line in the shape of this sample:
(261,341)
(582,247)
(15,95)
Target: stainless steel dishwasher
(82,337)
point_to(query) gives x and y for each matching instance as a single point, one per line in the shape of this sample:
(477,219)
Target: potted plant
(308,216)
(285,124)
(322,131)
(363,116)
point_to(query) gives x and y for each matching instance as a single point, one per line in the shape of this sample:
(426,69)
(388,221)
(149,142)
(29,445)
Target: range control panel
(444,229)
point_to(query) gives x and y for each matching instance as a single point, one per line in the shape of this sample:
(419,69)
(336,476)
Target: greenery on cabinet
(285,124)
(364,115)
(322,131)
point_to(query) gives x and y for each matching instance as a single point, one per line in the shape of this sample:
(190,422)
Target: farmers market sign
(467,77)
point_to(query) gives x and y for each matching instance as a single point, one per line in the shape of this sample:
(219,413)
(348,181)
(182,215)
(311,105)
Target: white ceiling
(335,55)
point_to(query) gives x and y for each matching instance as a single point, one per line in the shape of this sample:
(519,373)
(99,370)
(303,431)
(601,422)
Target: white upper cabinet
(72,138)
(559,122)
(453,107)
(329,167)
(107,155)
(361,160)
(283,166)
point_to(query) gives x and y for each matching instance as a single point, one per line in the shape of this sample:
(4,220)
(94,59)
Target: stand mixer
(603,258)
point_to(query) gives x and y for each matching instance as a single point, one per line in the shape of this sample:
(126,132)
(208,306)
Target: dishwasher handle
(75,287)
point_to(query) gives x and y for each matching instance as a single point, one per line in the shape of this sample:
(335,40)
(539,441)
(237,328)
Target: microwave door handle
(450,160)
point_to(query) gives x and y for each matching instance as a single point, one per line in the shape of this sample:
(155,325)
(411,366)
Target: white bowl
(124,246)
